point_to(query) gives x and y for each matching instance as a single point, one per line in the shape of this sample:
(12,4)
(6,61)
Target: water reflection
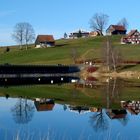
(119,114)
(132,106)
(20,80)
(49,116)
(99,121)
(79,109)
(43,104)
(71,113)
(23,111)
(112,90)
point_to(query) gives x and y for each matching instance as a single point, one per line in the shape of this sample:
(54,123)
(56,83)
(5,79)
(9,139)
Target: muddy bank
(125,74)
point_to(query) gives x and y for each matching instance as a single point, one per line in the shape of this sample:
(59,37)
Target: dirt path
(83,56)
(125,74)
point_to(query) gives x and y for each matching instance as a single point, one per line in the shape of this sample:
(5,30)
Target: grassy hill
(86,48)
(62,53)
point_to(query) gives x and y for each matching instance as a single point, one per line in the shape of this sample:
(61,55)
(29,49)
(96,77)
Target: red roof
(45,38)
(119,27)
(131,33)
(44,107)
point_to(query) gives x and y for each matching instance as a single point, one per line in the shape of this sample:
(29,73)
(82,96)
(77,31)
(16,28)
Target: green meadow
(85,48)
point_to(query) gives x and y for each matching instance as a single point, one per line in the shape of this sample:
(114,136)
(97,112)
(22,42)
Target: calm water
(44,119)
(22,119)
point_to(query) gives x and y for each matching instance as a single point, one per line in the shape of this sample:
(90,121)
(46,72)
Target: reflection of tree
(23,111)
(124,120)
(64,107)
(112,90)
(7,96)
(99,121)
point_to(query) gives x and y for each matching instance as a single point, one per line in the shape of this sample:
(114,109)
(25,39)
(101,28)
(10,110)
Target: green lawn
(62,94)
(67,94)
(62,52)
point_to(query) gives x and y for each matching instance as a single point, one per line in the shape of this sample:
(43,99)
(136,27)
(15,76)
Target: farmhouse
(79,33)
(44,104)
(116,30)
(133,37)
(94,33)
(132,106)
(116,114)
(43,41)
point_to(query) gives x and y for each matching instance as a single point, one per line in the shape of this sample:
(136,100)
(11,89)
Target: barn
(43,41)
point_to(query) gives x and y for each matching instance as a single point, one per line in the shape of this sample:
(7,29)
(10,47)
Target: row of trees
(99,22)
(23,34)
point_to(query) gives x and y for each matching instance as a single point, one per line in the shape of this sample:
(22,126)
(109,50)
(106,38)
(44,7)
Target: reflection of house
(116,30)
(79,33)
(43,41)
(44,104)
(132,106)
(95,109)
(133,37)
(116,114)
(79,109)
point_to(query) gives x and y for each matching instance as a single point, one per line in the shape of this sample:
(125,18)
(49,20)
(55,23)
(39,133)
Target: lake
(21,119)
(70,111)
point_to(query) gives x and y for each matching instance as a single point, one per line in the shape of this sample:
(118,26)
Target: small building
(79,33)
(43,41)
(116,114)
(133,37)
(94,34)
(116,30)
(42,104)
(95,109)
(132,106)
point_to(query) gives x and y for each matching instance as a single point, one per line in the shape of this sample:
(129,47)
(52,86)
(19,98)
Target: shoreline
(124,75)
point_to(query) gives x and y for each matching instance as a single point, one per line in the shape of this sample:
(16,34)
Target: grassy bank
(62,94)
(67,94)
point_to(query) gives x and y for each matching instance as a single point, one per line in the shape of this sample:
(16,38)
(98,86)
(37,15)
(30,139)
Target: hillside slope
(83,48)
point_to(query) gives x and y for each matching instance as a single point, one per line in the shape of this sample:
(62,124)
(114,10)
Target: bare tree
(111,56)
(23,111)
(18,34)
(124,23)
(29,34)
(98,22)
(23,34)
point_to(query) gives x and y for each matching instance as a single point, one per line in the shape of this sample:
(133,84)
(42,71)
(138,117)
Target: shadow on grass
(127,67)
(61,45)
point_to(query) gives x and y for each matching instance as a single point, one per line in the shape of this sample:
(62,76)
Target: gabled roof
(131,32)
(45,38)
(118,27)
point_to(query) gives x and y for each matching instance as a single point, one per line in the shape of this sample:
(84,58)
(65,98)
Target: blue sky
(59,16)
